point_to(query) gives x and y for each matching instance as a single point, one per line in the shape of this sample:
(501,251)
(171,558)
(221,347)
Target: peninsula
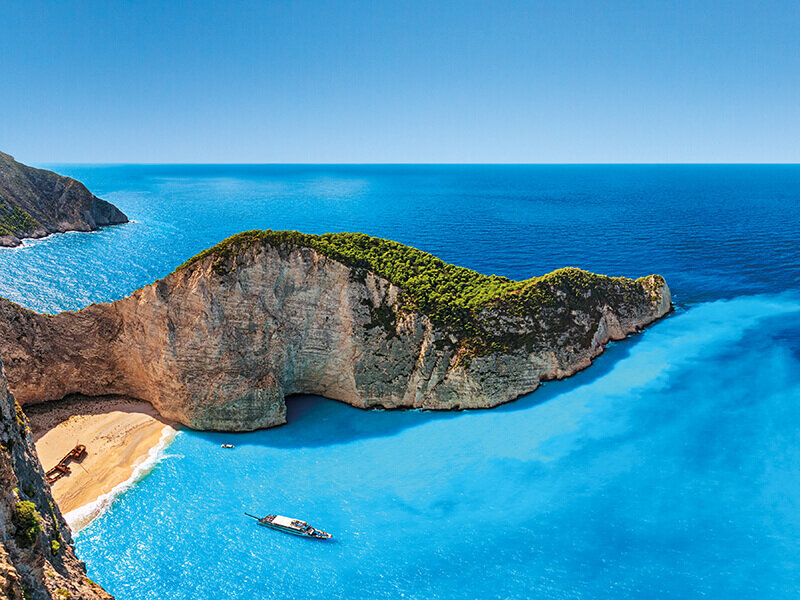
(35,203)
(219,343)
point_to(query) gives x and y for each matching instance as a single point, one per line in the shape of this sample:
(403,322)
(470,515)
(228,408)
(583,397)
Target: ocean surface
(669,469)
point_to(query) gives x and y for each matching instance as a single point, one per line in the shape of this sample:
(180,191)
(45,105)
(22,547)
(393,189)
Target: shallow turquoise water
(669,469)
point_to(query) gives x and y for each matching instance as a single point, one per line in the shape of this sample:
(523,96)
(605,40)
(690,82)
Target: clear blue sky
(396,81)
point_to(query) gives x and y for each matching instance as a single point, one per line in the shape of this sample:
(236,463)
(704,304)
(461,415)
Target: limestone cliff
(37,559)
(35,203)
(219,343)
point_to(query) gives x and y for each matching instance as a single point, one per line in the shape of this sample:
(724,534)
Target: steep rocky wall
(37,559)
(220,348)
(36,202)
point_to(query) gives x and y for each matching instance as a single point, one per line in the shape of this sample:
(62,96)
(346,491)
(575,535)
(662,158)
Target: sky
(399,82)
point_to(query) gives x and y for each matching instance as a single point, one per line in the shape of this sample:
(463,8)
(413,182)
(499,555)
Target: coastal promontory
(222,341)
(35,203)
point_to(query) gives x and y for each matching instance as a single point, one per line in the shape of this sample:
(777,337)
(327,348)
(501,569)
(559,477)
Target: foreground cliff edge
(35,203)
(221,342)
(37,559)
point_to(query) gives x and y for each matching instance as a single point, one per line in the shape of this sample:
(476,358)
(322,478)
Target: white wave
(79,518)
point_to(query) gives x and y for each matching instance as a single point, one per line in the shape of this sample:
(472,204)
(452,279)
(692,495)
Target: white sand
(119,434)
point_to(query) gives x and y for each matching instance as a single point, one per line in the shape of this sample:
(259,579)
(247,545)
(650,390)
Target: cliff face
(35,203)
(37,559)
(220,343)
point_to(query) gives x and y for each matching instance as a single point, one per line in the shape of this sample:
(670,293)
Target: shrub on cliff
(27,522)
(14,220)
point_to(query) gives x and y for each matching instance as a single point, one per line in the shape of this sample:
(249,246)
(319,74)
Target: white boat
(292,526)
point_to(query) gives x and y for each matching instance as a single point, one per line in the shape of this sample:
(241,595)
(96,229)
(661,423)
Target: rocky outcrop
(221,342)
(35,203)
(37,559)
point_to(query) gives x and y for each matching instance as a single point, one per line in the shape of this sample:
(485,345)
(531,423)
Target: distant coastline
(35,203)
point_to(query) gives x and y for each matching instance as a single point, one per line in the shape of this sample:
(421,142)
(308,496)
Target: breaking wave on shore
(79,518)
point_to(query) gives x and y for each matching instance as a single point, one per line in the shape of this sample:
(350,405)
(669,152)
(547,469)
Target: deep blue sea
(669,469)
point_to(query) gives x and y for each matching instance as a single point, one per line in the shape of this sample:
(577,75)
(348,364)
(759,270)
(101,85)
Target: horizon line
(419,164)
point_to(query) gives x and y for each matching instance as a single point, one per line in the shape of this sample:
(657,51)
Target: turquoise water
(669,469)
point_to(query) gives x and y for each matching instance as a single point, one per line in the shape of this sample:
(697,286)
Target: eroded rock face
(35,203)
(219,348)
(37,559)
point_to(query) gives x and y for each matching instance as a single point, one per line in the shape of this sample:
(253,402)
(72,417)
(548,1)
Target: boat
(227,445)
(77,454)
(292,526)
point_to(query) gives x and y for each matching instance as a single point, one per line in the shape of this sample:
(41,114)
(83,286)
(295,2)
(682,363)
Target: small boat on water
(227,445)
(292,526)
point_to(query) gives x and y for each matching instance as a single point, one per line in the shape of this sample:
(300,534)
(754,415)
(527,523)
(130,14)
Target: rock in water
(35,203)
(37,559)
(220,342)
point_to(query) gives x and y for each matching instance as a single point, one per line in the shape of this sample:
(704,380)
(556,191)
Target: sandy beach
(119,434)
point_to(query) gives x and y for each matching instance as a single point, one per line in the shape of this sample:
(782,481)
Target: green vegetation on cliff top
(450,295)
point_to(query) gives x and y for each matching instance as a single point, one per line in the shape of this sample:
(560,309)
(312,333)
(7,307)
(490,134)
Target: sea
(668,469)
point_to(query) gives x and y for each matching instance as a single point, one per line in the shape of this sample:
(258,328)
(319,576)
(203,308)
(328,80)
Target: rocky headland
(220,343)
(37,558)
(35,203)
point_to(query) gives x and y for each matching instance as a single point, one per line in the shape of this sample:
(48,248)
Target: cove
(668,469)
(649,473)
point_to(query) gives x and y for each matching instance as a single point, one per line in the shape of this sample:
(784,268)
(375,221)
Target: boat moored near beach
(292,526)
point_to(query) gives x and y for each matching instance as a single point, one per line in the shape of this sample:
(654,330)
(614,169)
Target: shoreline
(81,517)
(124,439)
(28,242)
